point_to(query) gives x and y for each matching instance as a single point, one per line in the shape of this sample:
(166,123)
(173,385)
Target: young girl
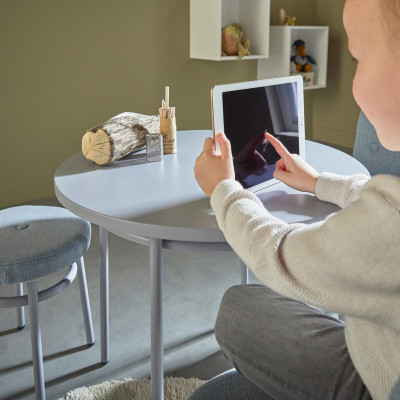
(348,263)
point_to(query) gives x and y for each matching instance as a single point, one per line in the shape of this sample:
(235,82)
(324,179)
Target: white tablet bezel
(217,114)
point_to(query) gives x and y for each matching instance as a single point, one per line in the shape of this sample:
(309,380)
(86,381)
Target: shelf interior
(316,46)
(254,17)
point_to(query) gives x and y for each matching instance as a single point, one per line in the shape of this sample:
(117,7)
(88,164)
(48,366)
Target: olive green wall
(335,113)
(69,65)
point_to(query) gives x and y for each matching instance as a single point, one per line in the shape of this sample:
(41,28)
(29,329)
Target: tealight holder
(154,147)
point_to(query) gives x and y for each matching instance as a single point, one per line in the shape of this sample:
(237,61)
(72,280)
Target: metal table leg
(104,304)
(244,273)
(156,280)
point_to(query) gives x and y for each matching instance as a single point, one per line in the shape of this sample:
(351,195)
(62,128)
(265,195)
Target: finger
(279,147)
(208,146)
(278,174)
(280,165)
(224,145)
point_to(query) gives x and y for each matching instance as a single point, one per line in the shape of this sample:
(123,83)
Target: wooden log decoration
(119,136)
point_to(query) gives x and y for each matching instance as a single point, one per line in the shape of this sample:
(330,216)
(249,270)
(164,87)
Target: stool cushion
(36,241)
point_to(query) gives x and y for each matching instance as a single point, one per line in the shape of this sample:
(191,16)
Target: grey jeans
(288,349)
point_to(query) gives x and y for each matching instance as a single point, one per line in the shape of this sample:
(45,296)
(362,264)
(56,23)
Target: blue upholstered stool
(36,241)
(369,151)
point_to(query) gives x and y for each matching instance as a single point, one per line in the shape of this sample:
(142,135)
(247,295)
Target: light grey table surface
(162,199)
(160,205)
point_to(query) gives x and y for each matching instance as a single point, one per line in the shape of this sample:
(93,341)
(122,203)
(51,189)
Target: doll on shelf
(285,19)
(301,61)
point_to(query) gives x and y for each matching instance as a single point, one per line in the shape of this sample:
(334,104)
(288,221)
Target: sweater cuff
(221,191)
(328,187)
(339,189)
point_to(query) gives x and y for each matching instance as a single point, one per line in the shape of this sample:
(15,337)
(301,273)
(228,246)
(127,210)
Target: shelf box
(208,17)
(281,40)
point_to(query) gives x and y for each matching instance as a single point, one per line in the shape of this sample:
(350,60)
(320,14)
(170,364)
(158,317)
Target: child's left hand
(212,168)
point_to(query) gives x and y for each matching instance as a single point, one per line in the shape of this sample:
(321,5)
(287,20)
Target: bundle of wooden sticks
(168,124)
(165,110)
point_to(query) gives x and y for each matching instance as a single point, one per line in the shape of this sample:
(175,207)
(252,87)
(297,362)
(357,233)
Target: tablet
(245,110)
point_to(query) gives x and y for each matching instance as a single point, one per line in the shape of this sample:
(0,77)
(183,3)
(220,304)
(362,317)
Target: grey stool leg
(20,310)
(33,303)
(87,316)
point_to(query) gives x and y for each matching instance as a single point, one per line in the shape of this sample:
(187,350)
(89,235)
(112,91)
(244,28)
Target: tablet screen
(247,114)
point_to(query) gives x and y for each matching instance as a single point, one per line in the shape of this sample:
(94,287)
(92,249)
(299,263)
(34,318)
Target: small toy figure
(302,61)
(285,19)
(233,43)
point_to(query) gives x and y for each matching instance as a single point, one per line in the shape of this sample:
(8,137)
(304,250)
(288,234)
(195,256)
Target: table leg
(156,280)
(244,273)
(104,304)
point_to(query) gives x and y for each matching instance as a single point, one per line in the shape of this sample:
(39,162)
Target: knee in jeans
(237,304)
(227,310)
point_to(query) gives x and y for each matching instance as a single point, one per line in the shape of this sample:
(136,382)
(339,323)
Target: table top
(162,199)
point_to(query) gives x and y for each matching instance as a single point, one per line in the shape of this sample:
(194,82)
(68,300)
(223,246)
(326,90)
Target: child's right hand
(292,170)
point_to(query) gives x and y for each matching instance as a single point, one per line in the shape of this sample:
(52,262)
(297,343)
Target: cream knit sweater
(349,263)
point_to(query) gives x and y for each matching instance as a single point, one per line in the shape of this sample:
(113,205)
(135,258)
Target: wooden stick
(167,96)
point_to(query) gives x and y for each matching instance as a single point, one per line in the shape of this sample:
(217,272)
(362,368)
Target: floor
(193,287)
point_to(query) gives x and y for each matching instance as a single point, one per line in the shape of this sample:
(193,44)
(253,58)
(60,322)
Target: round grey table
(160,205)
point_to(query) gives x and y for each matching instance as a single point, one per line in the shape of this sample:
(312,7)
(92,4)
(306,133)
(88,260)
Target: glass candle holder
(154,147)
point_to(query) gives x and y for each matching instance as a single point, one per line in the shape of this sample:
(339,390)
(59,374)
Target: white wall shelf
(208,17)
(281,40)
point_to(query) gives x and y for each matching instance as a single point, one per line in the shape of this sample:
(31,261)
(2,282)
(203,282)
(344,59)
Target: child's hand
(292,170)
(212,168)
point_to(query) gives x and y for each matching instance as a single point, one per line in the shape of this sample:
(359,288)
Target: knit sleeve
(339,189)
(346,264)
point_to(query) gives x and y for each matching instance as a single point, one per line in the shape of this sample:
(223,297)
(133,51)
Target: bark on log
(117,137)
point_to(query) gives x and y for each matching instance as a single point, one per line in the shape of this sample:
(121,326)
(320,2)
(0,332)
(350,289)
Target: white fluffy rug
(132,389)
